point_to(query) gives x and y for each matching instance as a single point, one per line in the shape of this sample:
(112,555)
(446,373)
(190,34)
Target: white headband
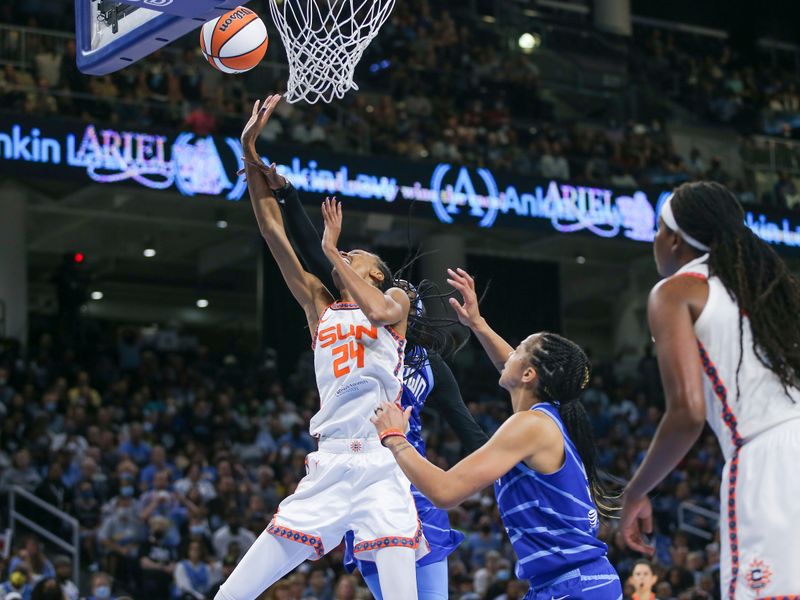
(669,220)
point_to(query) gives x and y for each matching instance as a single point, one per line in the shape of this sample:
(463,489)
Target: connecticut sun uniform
(418,383)
(352,482)
(552,524)
(757,424)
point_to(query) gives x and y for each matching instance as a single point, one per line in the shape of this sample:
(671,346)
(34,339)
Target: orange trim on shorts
(296,536)
(391,542)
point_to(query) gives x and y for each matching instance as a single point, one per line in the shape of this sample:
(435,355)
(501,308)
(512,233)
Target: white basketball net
(324,40)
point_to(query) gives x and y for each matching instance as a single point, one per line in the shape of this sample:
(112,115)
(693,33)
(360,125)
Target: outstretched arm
(522,437)
(469,314)
(306,289)
(446,399)
(681,373)
(304,236)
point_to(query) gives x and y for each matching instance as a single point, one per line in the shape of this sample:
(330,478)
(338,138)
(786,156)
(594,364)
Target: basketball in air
(235,42)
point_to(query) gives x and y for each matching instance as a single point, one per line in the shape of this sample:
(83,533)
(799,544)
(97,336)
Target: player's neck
(345,296)
(522,399)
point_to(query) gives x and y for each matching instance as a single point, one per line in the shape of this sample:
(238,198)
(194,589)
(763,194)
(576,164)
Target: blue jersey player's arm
(445,399)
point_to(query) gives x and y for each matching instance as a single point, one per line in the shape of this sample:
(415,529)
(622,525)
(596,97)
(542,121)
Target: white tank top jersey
(761,402)
(358,366)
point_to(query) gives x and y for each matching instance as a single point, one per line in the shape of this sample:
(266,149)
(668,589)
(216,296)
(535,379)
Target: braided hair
(563,371)
(438,335)
(754,275)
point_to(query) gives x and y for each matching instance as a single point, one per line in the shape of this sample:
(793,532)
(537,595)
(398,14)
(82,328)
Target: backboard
(112,35)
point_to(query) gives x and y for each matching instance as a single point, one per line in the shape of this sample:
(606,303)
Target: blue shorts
(597,580)
(441,539)
(432,582)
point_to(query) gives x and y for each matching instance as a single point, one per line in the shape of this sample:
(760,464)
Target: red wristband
(387,433)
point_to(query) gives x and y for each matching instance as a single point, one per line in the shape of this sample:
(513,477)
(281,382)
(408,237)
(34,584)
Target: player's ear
(529,375)
(377,276)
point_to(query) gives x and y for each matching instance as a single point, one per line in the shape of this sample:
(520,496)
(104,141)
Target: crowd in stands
(708,76)
(174,461)
(433,87)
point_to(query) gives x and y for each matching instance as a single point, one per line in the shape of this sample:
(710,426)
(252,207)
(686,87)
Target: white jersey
(757,424)
(756,401)
(358,366)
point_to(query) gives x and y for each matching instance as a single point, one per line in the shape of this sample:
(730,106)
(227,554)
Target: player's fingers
(456,277)
(458,307)
(467,276)
(647,524)
(460,287)
(256,105)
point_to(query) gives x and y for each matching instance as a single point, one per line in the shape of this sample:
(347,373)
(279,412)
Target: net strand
(324,41)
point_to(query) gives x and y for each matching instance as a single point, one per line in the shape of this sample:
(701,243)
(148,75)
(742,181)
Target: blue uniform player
(432,580)
(541,461)
(555,535)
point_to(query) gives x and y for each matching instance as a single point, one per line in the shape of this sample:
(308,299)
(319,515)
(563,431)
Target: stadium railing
(693,517)
(15,516)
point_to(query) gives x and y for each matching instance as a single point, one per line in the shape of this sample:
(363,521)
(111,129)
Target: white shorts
(760,520)
(351,485)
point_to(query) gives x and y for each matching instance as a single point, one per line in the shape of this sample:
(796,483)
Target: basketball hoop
(324,40)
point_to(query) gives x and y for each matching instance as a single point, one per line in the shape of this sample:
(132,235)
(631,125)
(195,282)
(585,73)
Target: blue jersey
(417,385)
(551,520)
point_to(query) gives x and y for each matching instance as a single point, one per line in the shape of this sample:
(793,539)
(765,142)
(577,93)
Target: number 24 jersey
(358,365)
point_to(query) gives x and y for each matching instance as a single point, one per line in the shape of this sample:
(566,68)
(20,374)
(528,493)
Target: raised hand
(262,111)
(332,216)
(468,312)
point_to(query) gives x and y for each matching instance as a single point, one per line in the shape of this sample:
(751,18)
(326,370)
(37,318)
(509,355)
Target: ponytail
(564,370)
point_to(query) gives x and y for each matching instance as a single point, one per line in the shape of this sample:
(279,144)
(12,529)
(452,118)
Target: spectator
(194,479)
(120,535)
(227,566)
(134,447)
(158,462)
(232,532)
(47,589)
(201,119)
(18,584)
(21,473)
(319,586)
(553,165)
(484,540)
(644,580)
(53,491)
(63,567)
(308,131)
(31,556)
(157,560)
(100,588)
(785,192)
(194,577)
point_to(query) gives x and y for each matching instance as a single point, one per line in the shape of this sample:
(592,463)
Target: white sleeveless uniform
(758,427)
(352,481)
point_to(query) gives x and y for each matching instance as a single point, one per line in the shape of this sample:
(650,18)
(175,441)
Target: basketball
(235,42)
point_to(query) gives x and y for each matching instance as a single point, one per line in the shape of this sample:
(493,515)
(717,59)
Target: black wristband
(283,192)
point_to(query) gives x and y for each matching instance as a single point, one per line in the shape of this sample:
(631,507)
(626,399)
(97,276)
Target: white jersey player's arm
(381,308)
(307,289)
(671,312)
